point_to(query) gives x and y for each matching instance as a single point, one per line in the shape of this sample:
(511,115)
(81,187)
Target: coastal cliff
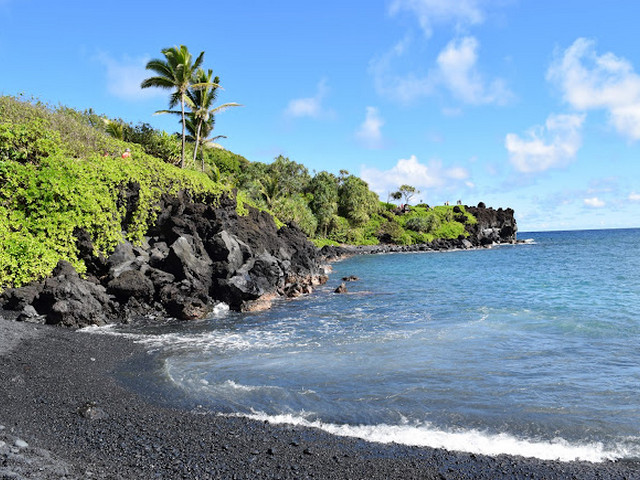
(493,226)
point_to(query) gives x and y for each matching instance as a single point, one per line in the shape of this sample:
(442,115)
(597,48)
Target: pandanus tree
(176,72)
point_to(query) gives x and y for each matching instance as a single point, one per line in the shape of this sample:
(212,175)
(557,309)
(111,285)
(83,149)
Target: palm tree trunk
(183,134)
(195,149)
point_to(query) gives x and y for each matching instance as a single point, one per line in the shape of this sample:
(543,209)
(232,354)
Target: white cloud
(634,197)
(311,106)
(456,70)
(389,84)
(431,12)
(369,133)
(410,171)
(124,77)
(590,81)
(594,202)
(551,146)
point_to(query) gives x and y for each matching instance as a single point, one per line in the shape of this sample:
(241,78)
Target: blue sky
(533,105)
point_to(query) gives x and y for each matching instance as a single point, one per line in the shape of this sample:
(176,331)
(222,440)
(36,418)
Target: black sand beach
(64,414)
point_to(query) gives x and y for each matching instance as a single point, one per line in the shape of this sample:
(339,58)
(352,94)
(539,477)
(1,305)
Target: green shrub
(28,142)
(42,205)
(451,230)
(321,242)
(296,209)
(390,232)
(424,224)
(229,163)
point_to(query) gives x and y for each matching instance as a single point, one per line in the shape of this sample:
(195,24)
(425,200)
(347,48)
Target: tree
(324,204)
(396,196)
(407,191)
(200,101)
(292,177)
(200,137)
(177,72)
(294,208)
(355,201)
(200,121)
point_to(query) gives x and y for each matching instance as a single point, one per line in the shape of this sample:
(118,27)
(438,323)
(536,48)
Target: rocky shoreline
(66,415)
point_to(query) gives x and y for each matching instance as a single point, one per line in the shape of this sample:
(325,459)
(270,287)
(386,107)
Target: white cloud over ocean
(589,81)
(433,175)
(594,202)
(458,72)
(553,145)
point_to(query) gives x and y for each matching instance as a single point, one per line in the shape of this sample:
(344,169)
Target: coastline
(62,398)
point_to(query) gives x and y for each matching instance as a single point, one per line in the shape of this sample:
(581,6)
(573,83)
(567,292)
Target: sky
(533,105)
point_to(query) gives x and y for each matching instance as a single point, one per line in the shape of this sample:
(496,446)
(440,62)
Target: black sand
(64,414)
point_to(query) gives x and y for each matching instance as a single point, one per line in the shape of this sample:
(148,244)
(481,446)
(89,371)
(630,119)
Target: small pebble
(21,443)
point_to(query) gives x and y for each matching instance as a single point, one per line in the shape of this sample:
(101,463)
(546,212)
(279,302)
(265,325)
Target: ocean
(530,349)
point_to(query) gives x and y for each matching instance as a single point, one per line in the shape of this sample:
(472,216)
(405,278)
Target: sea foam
(471,441)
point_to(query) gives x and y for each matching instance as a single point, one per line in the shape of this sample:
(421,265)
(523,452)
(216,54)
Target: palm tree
(115,129)
(201,120)
(201,101)
(176,72)
(199,134)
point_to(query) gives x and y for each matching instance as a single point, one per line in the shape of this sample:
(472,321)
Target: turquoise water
(529,349)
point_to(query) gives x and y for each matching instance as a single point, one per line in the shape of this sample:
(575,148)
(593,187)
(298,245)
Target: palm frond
(223,107)
(161,67)
(173,112)
(198,61)
(160,82)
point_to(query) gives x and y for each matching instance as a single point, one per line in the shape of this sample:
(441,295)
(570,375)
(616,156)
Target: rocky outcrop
(493,227)
(68,300)
(196,255)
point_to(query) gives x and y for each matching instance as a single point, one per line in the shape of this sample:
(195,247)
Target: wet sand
(65,414)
